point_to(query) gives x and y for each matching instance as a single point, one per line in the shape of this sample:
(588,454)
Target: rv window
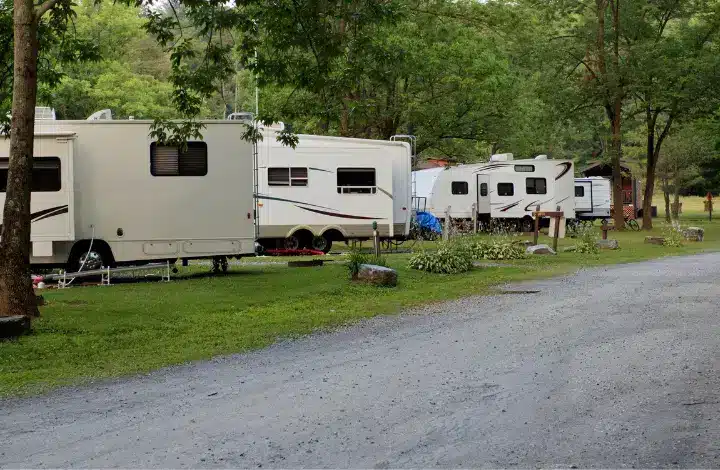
(483,189)
(524,168)
(579,191)
(287,177)
(535,186)
(356,181)
(505,189)
(459,187)
(169,160)
(46,176)
(298,177)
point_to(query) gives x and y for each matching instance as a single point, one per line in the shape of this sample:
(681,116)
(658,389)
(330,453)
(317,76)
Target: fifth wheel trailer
(107,185)
(330,189)
(501,189)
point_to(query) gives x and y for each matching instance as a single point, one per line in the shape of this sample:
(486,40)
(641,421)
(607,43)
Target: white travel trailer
(502,188)
(592,198)
(107,185)
(331,189)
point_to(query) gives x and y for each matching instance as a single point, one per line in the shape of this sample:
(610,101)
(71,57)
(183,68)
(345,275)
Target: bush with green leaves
(674,236)
(586,242)
(450,258)
(356,258)
(499,248)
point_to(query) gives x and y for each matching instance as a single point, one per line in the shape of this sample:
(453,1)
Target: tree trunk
(676,205)
(615,157)
(651,162)
(666,195)
(16,290)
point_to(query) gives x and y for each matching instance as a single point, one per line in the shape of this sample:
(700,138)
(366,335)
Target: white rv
(592,198)
(502,188)
(107,184)
(331,189)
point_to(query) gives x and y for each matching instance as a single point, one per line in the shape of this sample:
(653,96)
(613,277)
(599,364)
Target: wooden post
(604,229)
(474,217)
(536,233)
(557,229)
(376,240)
(446,229)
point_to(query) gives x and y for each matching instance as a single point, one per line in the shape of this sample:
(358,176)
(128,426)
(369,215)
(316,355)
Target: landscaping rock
(694,234)
(525,243)
(377,275)
(607,244)
(12,327)
(570,249)
(655,240)
(540,250)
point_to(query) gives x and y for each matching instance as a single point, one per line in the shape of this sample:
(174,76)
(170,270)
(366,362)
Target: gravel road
(613,367)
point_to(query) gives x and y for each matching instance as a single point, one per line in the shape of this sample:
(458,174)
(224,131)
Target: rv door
(483,194)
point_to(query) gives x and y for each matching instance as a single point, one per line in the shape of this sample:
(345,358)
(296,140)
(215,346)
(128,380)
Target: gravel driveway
(613,367)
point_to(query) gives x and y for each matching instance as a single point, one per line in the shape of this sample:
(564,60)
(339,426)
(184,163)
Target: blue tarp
(428,221)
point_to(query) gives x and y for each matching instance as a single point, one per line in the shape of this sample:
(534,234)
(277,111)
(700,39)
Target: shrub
(355,259)
(496,249)
(450,258)
(586,242)
(674,236)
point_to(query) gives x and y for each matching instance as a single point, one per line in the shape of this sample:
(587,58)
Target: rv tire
(100,256)
(322,243)
(292,243)
(527,224)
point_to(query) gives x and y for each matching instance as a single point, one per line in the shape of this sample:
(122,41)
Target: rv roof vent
(501,157)
(243,116)
(541,157)
(44,113)
(102,115)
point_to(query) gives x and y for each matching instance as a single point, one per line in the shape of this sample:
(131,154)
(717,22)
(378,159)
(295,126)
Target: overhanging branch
(44,7)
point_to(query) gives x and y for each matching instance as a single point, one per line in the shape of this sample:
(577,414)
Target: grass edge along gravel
(96,333)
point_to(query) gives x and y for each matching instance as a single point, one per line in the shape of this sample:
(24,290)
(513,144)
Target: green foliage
(356,258)
(496,248)
(450,258)
(674,236)
(586,240)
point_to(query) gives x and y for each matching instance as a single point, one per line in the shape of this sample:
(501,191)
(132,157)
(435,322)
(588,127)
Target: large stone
(570,249)
(12,327)
(655,240)
(540,250)
(377,275)
(694,234)
(607,244)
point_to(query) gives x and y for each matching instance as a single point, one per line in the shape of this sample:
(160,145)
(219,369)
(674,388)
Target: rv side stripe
(46,213)
(567,166)
(385,192)
(271,198)
(344,216)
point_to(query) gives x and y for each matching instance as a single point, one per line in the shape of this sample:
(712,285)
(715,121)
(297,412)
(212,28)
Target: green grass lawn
(89,333)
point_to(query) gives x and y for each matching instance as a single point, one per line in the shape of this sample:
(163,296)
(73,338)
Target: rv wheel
(527,225)
(88,260)
(321,243)
(292,243)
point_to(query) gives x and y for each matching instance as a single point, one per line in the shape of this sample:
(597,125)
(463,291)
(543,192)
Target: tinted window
(171,160)
(356,181)
(524,168)
(535,186)
(459,187)
(287,176)
(46,175)
(483,189)
(579,191)
(505,189)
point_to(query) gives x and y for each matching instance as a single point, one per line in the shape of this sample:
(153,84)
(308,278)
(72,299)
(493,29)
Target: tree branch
(44,7)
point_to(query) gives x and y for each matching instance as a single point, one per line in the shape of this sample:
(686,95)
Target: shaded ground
(612,367)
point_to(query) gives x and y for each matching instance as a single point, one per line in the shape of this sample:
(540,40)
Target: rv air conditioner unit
(244,116)
(102,115)
(501,157)
(44,113)
(541,157)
